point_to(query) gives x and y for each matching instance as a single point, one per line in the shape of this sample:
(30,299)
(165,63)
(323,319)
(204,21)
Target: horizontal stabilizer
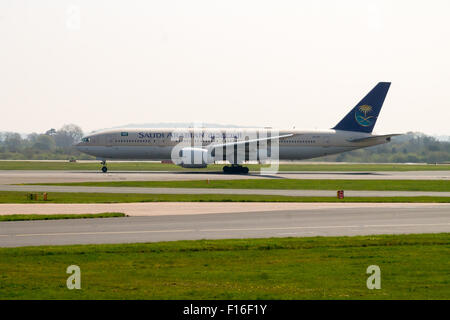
(371,138)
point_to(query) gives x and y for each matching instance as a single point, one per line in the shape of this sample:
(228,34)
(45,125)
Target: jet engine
(194,158)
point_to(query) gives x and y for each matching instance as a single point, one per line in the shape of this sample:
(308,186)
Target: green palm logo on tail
(363,117)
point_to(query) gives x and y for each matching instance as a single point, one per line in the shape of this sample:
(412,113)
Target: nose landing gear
(235,169)
(104,168)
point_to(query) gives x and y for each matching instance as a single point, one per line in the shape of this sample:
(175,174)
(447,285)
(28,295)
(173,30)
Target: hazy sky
(100,64)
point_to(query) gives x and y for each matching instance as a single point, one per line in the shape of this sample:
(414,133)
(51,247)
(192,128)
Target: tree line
(51,145)
(413,147)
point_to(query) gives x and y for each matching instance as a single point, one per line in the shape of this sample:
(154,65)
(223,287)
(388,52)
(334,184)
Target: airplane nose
(78,146)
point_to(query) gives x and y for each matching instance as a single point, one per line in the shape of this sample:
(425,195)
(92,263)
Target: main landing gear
(104,168)
(235,169)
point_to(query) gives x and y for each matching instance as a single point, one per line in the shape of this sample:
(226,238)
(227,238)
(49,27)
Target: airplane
(198,147)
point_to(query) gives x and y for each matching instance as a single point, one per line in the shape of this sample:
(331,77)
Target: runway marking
(406,225)
(97,233)
(279,228)
(331,227)
(229,229)
(294,233)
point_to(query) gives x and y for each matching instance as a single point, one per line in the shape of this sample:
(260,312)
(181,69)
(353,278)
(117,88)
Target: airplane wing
(387,136)
(241,142)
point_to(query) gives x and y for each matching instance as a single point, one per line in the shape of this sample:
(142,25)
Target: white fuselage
(157,144)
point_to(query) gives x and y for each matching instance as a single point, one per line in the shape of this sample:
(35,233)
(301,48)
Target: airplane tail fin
(364,115)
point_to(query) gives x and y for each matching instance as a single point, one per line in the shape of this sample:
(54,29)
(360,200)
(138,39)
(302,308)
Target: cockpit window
(86,139)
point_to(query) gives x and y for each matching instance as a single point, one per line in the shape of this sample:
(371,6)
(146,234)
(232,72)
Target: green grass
(29,217)
(382,185)
(149,166)
(67,197)
(412,267)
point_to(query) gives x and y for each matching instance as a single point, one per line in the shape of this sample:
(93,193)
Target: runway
(306,222)
(279,192)
(55,176)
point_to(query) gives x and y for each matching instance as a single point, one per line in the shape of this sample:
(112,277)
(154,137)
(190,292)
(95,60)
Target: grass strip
(65,197)
(412,267)
(286,184)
